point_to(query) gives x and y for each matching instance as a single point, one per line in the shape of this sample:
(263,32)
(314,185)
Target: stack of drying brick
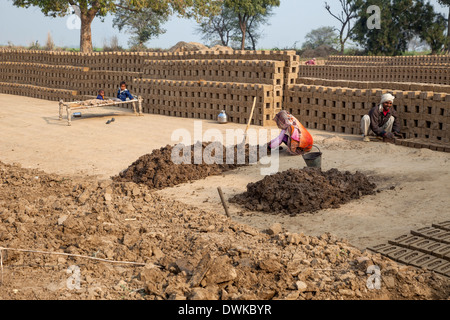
(189,84)
(205,100)
(36,73)
(403,86)
(202,84)
(240,71)
(290,68)
(40,80)
(424,115)
(390,61)
(428,74)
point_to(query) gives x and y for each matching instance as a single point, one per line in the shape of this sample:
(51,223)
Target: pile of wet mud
(174,165)
(304,191)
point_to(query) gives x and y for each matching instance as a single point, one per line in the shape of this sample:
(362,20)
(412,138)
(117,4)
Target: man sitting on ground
(382,120)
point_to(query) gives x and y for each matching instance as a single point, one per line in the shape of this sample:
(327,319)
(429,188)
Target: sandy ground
(32,135)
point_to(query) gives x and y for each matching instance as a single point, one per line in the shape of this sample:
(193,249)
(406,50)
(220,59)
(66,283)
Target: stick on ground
(224,203)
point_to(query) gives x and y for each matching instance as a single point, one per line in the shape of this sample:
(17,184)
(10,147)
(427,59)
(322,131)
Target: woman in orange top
(293,134)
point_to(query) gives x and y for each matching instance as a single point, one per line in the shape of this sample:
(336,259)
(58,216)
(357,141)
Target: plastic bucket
(313,159)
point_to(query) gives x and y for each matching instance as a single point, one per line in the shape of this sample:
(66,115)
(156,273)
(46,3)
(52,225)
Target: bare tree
(345,18)
(219,28)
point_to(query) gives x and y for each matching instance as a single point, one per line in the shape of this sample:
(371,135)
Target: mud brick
(437,249)
(400,252)
(444,269)
(434,264)
(409,241)
(422,245)
(420,261)
(378,247)
(420,232)
(445,239)
(443,225)
(443,236)
(396,241)
(385,250)
(409,257)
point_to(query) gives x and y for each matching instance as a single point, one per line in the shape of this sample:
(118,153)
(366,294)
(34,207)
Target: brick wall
(423,115)
(202,84)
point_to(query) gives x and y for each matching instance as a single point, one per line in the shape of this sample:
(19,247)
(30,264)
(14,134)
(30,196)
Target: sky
(288,27)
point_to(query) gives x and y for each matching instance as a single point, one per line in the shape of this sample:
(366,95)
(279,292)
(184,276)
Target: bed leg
(69,117)
(60,110)
(140,107)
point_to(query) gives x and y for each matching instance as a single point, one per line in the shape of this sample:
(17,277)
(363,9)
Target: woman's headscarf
(285,120)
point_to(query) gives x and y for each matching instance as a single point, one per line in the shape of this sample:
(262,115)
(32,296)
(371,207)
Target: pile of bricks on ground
(427,248)
(332,97)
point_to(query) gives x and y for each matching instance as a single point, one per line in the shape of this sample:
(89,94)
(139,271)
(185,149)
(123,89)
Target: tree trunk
(448,32)
(253,41)
(243,25)
(86,32)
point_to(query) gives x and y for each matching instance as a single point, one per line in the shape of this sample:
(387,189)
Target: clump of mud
(304,191)
(158,169)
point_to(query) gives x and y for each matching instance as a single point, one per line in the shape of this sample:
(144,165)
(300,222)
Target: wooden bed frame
(80,105)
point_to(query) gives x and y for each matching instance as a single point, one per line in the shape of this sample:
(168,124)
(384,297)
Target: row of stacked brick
(423,115)
(435,75)
(206,99)
(202,84)
(239,71)
(134,61)
(428,60)
(111,61)
(28,90)
(80,79)
(267,71)
(404,86)
(290,59)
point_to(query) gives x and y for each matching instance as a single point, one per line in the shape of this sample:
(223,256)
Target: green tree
(90,9)
(246,10)
(446,3)
(432,33)
(323,36)
(143,24)
(399,24)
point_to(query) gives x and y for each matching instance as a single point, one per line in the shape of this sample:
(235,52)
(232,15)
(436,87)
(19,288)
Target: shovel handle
(251,116)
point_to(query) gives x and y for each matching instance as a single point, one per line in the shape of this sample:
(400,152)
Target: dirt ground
(32,135)
(413,185)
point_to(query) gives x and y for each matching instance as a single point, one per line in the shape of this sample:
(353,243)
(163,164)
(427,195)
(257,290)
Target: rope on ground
(63,254)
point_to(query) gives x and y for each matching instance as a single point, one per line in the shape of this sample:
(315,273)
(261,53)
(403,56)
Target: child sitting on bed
(123,93)
(101,95)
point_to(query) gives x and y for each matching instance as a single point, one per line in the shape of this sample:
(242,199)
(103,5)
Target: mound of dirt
(183,252)
(158,171)
(188,46)
(304,191)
